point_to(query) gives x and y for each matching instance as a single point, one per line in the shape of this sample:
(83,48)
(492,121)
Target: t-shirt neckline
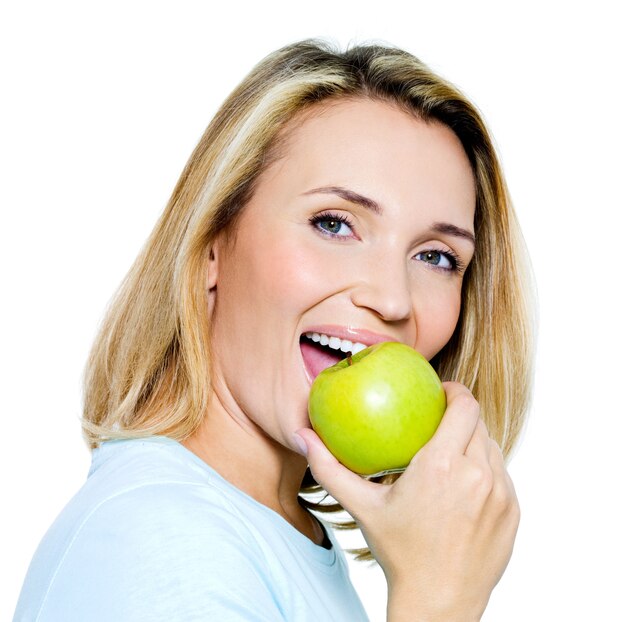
(326,557)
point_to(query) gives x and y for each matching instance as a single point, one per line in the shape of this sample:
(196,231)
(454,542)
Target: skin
(443,533)
(281,275)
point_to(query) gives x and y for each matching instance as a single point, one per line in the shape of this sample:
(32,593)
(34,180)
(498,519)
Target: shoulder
(159,498)
(178,533)
(160,538)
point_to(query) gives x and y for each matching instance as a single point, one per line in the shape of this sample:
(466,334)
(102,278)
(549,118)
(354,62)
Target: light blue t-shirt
(157,534)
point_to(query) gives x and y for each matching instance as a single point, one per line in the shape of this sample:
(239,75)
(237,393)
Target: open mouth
(320,351)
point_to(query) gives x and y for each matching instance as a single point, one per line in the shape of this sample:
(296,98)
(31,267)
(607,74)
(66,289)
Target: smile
(327,344)
(320,351)
(334,343)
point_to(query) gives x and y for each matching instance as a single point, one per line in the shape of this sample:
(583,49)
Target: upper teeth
(337,344)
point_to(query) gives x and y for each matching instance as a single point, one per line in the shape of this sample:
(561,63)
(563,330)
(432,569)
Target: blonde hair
(149,368)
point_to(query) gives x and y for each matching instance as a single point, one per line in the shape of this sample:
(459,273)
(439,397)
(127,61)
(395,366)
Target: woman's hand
(443,532)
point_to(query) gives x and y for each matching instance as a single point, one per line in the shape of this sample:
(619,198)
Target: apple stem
(349,360)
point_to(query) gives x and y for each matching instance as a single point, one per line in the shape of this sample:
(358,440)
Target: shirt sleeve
(154,554)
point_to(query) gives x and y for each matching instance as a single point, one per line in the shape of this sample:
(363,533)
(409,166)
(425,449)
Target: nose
(383,287)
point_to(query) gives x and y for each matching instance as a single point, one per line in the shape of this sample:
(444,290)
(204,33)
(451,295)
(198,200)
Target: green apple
(376,409)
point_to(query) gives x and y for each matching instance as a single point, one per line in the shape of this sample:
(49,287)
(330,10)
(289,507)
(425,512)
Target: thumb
(352,491)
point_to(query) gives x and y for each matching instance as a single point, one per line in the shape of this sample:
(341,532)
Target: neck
(255,463)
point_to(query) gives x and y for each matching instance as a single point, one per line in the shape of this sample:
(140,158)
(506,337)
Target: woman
(358,196)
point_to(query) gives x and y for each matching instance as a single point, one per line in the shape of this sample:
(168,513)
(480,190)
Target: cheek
(293,275)
(437,317)
(270,284)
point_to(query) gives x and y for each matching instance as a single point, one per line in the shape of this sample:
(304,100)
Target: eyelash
(327,217)
(453,258)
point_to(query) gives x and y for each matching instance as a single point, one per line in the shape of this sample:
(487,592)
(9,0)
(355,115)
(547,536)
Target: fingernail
(300,442)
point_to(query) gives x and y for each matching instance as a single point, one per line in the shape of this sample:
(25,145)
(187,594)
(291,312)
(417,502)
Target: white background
(102,103)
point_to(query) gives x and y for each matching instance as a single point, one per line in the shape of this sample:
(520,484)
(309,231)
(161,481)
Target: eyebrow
(449,229)
(369,204)
(349,195)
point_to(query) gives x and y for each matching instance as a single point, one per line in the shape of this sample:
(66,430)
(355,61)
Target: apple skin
(376,411)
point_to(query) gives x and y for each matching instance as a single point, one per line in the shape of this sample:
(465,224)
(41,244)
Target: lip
(355,335)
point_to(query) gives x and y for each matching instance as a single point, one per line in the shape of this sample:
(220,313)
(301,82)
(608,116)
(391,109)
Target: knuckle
(511,514)
(468,402)
(505,501)
(440,462)
(453,384)
(481,480)
(502,498)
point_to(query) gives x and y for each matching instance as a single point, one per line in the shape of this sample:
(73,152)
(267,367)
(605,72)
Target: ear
(211,278)
(212,270)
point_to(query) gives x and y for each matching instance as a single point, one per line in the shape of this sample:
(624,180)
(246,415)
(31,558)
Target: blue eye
(332,224)
(447,261)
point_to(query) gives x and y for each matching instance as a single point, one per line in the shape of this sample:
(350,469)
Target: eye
(436,258)
(334,225)
(447,261)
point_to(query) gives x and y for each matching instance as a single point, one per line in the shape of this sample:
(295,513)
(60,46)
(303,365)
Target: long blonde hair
(149,368)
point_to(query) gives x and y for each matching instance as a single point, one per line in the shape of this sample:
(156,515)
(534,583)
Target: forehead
(376,148)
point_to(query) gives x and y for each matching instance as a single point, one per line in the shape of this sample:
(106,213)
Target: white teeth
(335,343)
(357,347)
(346,345)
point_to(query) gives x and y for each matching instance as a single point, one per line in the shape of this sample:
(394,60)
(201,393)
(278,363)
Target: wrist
(406,603)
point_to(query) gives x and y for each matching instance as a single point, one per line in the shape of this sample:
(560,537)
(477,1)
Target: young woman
(356,195)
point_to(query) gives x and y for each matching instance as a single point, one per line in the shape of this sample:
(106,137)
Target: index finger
(460,419)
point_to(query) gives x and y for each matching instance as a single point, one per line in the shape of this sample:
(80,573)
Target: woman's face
(361,231)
